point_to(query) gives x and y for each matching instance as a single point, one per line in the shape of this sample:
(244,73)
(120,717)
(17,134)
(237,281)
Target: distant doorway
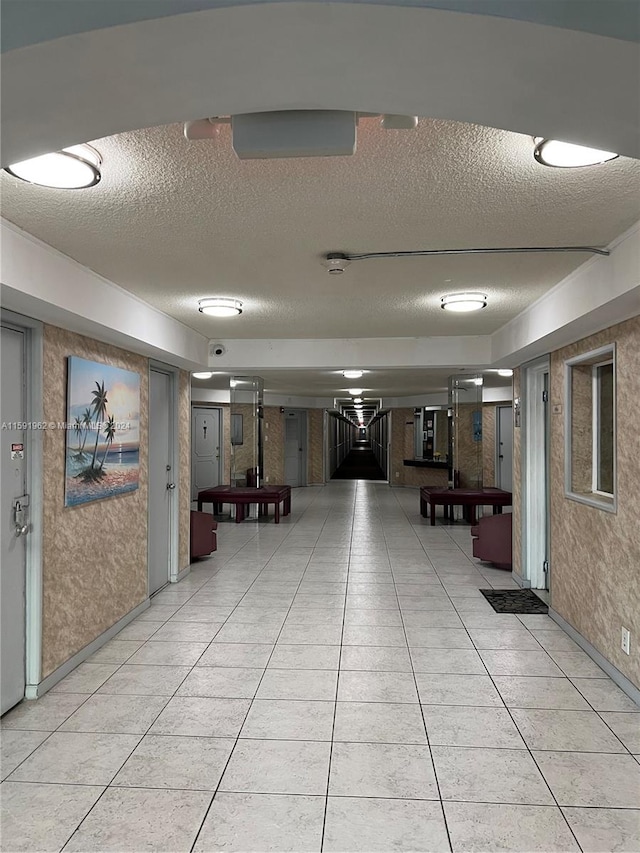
(295,447)
(504,446)
(206,456)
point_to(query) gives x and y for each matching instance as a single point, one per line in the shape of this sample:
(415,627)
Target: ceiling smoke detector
(336,263)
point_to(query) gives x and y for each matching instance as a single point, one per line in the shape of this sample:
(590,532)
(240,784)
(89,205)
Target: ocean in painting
(120,475)
(103,431)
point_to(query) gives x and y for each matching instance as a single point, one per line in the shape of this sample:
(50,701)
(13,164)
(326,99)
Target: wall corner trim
(35,691)
(614,674)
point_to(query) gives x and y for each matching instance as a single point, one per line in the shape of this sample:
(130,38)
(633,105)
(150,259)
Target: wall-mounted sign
(17,451)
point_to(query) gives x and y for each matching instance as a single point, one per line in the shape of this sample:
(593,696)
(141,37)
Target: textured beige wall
(595,555)
(184,481)
(517,480)
(315,445)
(273,447)
(95,555)
(467,453)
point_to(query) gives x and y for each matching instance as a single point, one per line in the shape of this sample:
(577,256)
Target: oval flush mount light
(204,374)
(220,306)
(505,372)
(352,374)
(73,168)
(566,155)
(463,301)
(355,392)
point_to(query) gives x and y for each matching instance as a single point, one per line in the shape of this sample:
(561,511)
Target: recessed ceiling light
(204,374)
(566,155)
(357,399)
(352,374)
(463,301)
(220,306)
(505,373)
(355,392)
(477,380)
(73,168)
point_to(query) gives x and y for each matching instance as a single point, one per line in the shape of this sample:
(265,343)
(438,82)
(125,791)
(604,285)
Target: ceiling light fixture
(463,301)
(505,372)
(357,399)
(355,392)
(73,168)
(477,380)
(220,306)
(352,374)
(566,155)
(204,374)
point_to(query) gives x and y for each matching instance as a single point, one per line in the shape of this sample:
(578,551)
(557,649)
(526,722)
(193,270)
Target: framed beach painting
(103,431)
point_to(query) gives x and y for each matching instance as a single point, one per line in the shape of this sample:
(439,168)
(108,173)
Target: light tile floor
(333,683)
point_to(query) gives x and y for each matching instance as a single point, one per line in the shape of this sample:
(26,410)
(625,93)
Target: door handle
(171,486)
(19,515)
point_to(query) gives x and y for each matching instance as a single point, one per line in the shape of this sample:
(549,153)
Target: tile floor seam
(335,706)
(424,723)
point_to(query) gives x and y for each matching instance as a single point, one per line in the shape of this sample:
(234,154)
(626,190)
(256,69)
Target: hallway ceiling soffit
(31,21)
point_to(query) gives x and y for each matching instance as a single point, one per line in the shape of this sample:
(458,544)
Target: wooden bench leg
(432,512)
(277,510)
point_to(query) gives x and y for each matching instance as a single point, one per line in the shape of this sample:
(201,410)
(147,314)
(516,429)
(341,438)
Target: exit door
(15,523)
(295,447)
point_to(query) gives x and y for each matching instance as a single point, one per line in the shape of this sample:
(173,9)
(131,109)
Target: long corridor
(336,682)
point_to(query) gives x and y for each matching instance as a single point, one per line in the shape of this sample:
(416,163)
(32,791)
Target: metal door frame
(535,467)
(33,369)
(220,411)
(174,433)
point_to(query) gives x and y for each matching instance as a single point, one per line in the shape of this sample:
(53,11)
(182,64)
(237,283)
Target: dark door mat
(514,601)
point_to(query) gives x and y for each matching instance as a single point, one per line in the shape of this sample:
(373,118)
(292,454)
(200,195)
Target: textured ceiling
(174,221)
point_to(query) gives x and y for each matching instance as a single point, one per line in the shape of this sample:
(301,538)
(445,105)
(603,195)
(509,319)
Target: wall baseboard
(186,571)
(523,583)
(614,674)
(34,691)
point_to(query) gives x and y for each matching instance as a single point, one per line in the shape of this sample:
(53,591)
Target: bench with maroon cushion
(492,540)
(242,496)
(431,497)
(202,529)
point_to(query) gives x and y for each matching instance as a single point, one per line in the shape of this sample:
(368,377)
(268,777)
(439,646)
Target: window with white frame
(590,428)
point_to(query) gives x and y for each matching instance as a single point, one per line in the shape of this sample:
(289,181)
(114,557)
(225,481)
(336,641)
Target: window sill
(592,499)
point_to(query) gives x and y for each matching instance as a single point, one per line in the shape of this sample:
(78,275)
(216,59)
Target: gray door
(504,435)
(13,472)
(161,482)
(295,435)
(205,449)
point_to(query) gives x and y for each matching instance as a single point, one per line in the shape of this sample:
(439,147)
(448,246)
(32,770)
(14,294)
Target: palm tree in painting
(99,406)
(77,428)
(109,431)
(86,423)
